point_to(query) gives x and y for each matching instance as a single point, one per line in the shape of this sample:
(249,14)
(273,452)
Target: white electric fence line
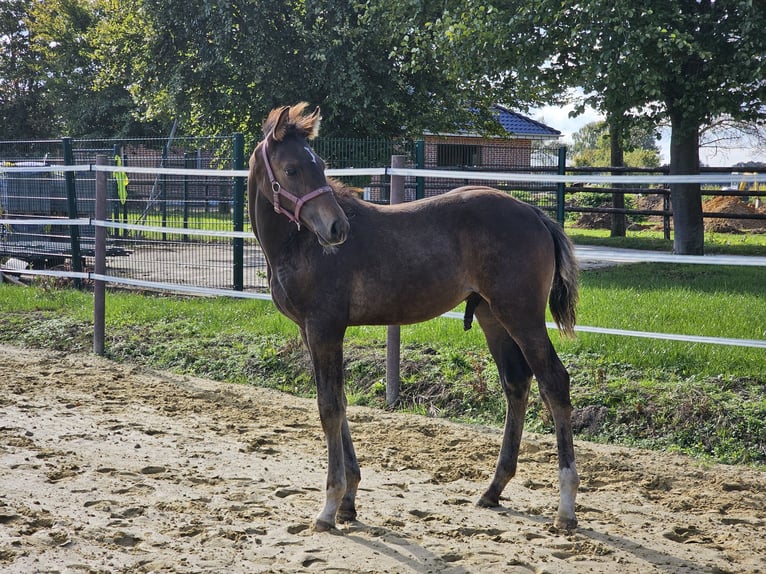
(753,343)
(85,222)
(648,334)
(43,168)
(47,272)
(171,230)
(587,253)
(173,171)
(531,176)
(180,288)
(81,221)
(708,178)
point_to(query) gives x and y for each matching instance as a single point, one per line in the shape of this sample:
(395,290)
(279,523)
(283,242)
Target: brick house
(472,151)
(526,146)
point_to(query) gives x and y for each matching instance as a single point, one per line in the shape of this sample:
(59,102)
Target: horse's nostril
(339,230)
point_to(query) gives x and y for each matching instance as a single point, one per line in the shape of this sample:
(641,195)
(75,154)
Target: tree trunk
(616,159)
(686,199)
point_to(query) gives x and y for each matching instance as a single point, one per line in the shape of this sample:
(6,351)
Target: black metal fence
(152,211)
(146,204)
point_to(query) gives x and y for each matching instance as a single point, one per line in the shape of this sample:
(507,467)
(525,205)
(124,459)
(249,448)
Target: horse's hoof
(487,502)
(323,526)
(565,523)
(346,515)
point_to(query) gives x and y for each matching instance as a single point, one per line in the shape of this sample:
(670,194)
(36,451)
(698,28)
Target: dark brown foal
(335,260)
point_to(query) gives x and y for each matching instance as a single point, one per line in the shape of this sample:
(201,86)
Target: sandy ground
(113,468)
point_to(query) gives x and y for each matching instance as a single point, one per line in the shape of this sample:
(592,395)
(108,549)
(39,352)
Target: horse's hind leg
(515,377)
(553,382)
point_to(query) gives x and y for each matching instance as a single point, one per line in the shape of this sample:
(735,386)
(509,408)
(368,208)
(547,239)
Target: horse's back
(467,204)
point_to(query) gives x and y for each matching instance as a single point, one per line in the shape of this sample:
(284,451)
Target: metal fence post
(239,213)
(164,189)
(99,288)
(393,334)
(561,187)
(71,199)
(420,163)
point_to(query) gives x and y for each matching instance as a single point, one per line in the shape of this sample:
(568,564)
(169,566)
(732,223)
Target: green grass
(715,243)
(706,400)
(684,299)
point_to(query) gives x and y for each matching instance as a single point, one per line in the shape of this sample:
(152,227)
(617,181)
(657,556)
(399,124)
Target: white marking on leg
(332,503)
(568,483)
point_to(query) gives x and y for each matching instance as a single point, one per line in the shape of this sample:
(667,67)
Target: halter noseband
(278,190)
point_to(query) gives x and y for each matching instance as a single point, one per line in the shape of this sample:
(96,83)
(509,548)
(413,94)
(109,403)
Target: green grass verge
(715,243)
(704,400)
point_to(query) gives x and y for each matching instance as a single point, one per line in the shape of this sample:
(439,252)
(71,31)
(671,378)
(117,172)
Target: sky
(558,118)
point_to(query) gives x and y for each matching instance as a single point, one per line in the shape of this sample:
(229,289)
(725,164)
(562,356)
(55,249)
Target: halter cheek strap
(278,191)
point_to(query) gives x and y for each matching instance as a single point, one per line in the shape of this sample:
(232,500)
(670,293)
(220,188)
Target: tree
(196,61)
(600,144)
(361,70)
(683,61)
(686,62)
(24,111)
(50,73)
(591,146)
(221,65)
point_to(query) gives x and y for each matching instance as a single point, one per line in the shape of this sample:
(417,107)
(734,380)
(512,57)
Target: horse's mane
(302,124)
(343,190)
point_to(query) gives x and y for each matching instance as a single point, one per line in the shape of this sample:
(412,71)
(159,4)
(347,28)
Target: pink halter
(279,190)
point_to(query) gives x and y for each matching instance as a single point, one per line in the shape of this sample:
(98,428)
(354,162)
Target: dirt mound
(106,467)
(732,206)
(720,204)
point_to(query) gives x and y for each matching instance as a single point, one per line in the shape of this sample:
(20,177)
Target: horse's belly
(405,304)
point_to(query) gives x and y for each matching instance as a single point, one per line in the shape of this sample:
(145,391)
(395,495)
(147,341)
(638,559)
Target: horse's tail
(564,291)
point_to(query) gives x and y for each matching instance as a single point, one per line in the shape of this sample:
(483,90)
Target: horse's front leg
(327,357)
(347,510)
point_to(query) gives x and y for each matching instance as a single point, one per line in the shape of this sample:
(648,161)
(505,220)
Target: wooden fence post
(99,288)
(393,335)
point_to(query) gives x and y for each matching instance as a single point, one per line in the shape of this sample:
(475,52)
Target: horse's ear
(280,127)
(315,119)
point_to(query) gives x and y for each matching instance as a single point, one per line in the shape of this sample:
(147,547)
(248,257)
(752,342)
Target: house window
(458,155)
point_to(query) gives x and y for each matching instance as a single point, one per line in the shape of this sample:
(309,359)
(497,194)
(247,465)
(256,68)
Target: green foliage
(591,146)
(681,62)
(24,109)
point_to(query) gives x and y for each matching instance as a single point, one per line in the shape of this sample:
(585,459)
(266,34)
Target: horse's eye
(290,171)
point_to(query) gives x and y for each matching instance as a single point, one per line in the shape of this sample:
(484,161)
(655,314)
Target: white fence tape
(81,221)
(172,230)
(43,168)
(707,178)
(591,253)
(593,178)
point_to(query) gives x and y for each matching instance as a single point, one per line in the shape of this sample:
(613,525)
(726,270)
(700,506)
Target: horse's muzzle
(335,233)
